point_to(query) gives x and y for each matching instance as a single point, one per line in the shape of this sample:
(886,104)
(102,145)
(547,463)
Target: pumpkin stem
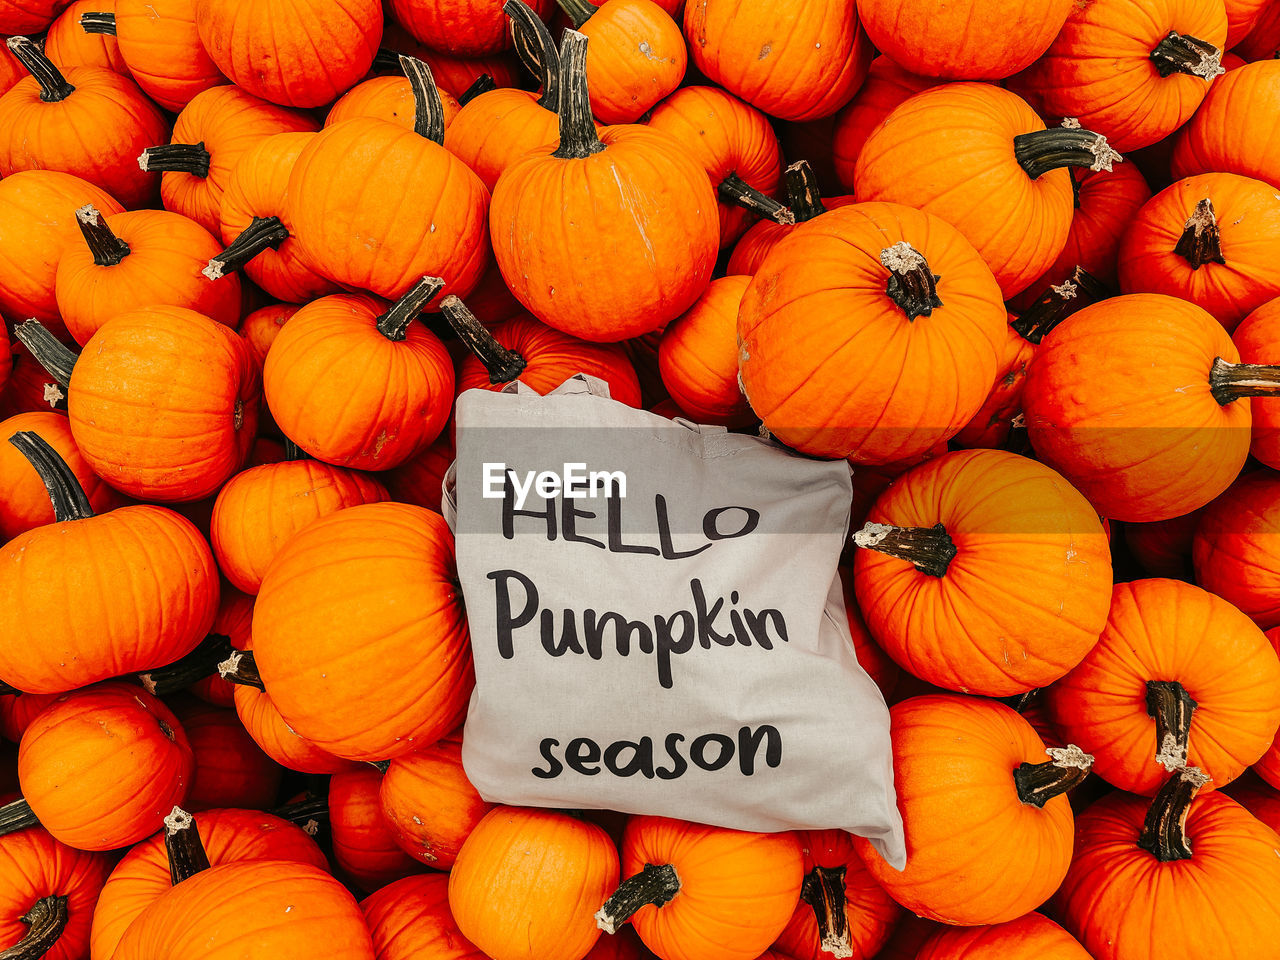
(195,666)
(733,189)
(1020,701)
(577,130)
(294,452)
(53,85)
(1057,303)
(537,51)
(306,813)
(182,843)
(98,22)
(69,500)
(1201,240)
(46,920)
(579,11)
(16,816)
(1164,833)
(1172,707)
(482,84)
(1076,176)
(107,249)
(929,549)
(1038,783)
(656,884)
(1040,151)
(428,109)
(912,285)
(262,233)
(1231,381)
(1179,54)
(394,324)
(382,766)
(190,158)
(241,668)
(503,365)
(51,353)
(824,890)
(802,192)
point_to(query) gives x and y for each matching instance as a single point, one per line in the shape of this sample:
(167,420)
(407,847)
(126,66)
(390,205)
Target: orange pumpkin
(992,426)
(230,769)
(84,36)
(1256,339)
(887,86)
(1033,937)
(805,203)
(1233,553)
(28,16)
(364,847)
(278,740)
(388,98)
(462,28)
(260,328)
(410,919)
(698,356)
(230,632)
(161,46)
(1263,37)
(47,896)
(1268,767)
(1214,140)
(16,714)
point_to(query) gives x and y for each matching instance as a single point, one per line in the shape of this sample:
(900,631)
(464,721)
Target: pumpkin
(198,670)
(11,70)
(230,769)
(698,356)
(650,211)
(213,131)
(260,328)
(271,48)
(856,388)
(140,259)
(388,98)
(808,71)
(1255,338)
(1233,553)
(364,847)
(92,123)
(1178,676)
(1263,37)
(992,426)
(16,714)
(973,40)
(461,28)
(419,479)
(946,151)
(1268,767)
(1032,937)
(161,46)
(125,591)
(878,665)
(804,201)
(1242,15)
(984,572)
(410,919)
(1214,142)
(28,16)
(1143,868)
(74,41)
(430,805)
(526,883)
(47,896)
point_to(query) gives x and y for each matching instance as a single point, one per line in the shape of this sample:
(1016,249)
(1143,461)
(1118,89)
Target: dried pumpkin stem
(577,130)
(579,11)
(1040,151)
(1201,240)
(503,365)
(428,108)
(241,668)
(1181,54)
(1231,381)
(482,84)
(1057,303)
(802,192)
(195,666)
(46,920)
(190,158)
(824,890)
(262,233)
(1038,783)
(733,189)
(394,324)
(16,816)
(656,884)
(1164,831)
(51,353)
(537,51)
(308,810)
(98,21)
(69,500)
(107,249)
(1172,707)
(182,843)
(53,85)
(929,549)
(912,285)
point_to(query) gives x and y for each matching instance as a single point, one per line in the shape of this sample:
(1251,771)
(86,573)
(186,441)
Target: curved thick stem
(394,324)
(929,549)
(503,365)
(51,353)
(107,249)
(579,11)
(69,500)
(1231,381)
(1172,707)
(656,884)
(46,920)
(190,158)
(577,130)
(184,847)
(912,285)
(53,85)
(1201,240)
(1040,151)
(823,889)
(537,51)
(195,666)
(95,21)
(733,189)
(1057,303)
(482,84)
(241,668)
(16,816)
(802,192)
(1180,54)
(428,109)
(262,233)
(1164,831)
(1038,783)
(306,813)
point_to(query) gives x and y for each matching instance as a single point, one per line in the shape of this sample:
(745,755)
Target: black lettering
(698,751)
(739,628)
(669,552)
(509,511)
(679,765)
(641,760)
(758,624)
(707,618)
(711,523)
(568,634)
(581,752)
(569,524)
(554,768)
(749,746)
(593,626)
(665,644)
(507,624)
(613,514)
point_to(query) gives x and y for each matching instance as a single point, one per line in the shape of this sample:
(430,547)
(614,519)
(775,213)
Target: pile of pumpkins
(1018,263)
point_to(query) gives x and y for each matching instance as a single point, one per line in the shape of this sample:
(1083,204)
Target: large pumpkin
(410,919)
(1033,937)
(1214,141)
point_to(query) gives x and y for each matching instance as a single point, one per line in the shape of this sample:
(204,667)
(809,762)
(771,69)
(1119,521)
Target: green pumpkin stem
(51,353)
(53,85)
(733,189)
(912,285)
(1201,240)
(262,233)
(1057,303)
(428,108)
(1038,783)
(394,324)
(190,158)
(482,84)
(45,920)
(107,249)
(195,666)
(1164,830)
(537,51)
(182,843)
(1040,151)
(16,816)
(577,130)
(69,500)
(656,884)
(241,668)
(929,549)
(1172,707)
(503,365)
(579,11)
(823,889)
(1180,54)
(802,192)
(1231,381)
(95,21)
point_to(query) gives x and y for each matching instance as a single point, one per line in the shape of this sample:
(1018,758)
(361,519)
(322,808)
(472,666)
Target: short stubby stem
(1180,54)
(190,158)
(503,365)
(802,192)
(1040,151)
(195,666)
(1201,240)
(1172,707)
(1057,303)
(1231,381)
(101,22)
(182,843)
(241,668)
(1038,783)
(656,884)
(53,85)
(823,889)
(733,189)
(929,549)
(262,233)
(16,816)
(394,324)
(912,285)
(107,249)
(1164,831)
(46,920)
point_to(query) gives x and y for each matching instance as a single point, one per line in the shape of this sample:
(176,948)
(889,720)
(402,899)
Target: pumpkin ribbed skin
(887,86)
(1234,547)
(230,770)
(498,128)
(28,16)
(33,865)
(1256,339)
(430,805)
(260,328)
(399,605)
(527,883)
(386,98)
(277,739)
(860,389)
(1267,768)
(410,919)
(1167,630)
(463,28)
(16,714)
(68,45)
(990,427)
(1026,594)
(234,616)
(1214,140)
(364,846)
(698,356)
(1033,937)
(636,58)
(159,42)
(1242,15)
(1263,37)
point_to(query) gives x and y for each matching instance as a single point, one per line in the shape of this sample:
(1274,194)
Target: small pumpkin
(410,919)
(261,327)
(364,847)
(74,41)
(47,896)
(887,86)
(1032,937)
(461,28)
(1214,142)
(1256,338)
(698,356)
(161,46)
(1233,550)
(28,16)
(230,769)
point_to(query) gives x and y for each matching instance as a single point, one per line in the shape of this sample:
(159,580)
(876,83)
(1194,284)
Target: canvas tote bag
(657,622)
